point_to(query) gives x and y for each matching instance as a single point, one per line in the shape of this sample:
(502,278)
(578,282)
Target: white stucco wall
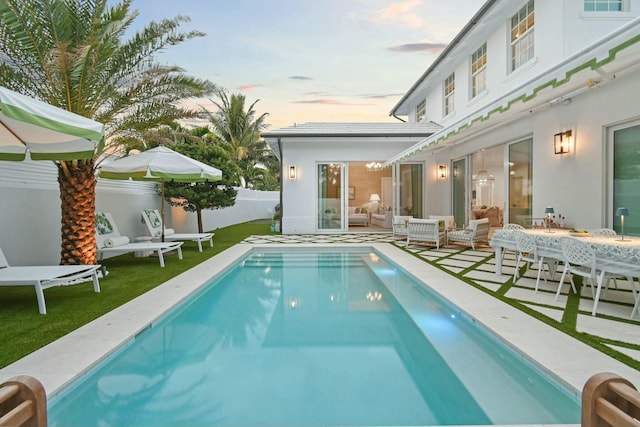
(30,210)
(300,195)
(575,184)
(561,29)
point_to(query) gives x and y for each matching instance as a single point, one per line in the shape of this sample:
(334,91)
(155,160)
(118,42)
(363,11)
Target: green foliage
(197,196)
(236,128)
(82,56)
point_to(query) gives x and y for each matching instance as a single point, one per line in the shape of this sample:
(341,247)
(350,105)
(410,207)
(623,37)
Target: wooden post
(610,401)
(23,402)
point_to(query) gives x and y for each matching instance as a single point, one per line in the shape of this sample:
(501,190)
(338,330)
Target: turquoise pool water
(309,337)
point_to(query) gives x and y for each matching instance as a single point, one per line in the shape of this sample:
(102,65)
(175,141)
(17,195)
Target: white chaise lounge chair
(109,240)
(153,220)
(45,276)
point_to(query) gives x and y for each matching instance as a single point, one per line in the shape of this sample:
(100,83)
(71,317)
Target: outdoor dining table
(613,255)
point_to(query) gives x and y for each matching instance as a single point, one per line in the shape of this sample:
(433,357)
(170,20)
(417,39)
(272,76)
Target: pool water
(314,338)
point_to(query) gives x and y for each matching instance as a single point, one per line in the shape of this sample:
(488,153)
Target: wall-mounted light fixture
(292,172)
(442,172)
(562,142)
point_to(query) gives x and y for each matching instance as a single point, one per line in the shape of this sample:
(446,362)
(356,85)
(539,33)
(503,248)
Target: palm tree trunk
(200,227)
(77,183)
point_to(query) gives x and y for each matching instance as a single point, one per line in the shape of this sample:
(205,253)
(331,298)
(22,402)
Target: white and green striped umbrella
(160,164)
(43,131)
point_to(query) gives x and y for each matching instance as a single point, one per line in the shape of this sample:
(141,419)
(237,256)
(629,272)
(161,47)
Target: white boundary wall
(30,210)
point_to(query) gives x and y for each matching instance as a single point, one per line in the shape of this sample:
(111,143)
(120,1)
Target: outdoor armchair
(426,231)
(478,231)
(153,220)
(399,226)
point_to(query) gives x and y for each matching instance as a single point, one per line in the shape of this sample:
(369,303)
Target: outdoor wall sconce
(292,172)
(622,212)
(562,142)
(442,171)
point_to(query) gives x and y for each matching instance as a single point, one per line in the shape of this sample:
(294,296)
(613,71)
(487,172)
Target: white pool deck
(557,353)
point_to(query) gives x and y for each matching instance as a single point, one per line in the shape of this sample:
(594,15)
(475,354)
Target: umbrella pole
(162,209)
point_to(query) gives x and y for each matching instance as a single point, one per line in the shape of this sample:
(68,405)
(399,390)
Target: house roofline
(466,29)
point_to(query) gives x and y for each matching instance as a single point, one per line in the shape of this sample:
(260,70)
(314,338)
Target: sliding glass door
(410,189)
(520,179)
(331,196)
(460,192)
(625,178)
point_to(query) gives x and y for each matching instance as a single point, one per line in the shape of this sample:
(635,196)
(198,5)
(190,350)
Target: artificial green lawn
(24,330)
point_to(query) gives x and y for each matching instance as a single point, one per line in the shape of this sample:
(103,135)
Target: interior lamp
(622,212)
(292,172)
(375,198)
(549,211)
(562,142)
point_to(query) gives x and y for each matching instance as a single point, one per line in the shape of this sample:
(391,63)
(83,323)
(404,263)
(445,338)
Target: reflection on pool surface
(314,337)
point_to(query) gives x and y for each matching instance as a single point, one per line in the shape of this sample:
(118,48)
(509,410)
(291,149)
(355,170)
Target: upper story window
(522,35)
(449,90)
(421,111)
(603,5)
(479,71)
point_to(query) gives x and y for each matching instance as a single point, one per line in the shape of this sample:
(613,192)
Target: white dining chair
(511,226)
(580,259)
(603,232)
(527,251)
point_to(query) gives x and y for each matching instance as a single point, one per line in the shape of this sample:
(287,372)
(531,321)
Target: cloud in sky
(248,88)
(327,101)
(382,95)
(300,78)
(418,47)
(401,13)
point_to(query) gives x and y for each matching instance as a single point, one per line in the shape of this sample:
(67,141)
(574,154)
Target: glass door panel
(410,193)
(460,192)
(626,179)
(331,196)
(520,174)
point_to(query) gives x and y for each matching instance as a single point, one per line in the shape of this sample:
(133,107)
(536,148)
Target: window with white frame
(449,90)
(421,111)
(522,35)
(603,5)
(479,71)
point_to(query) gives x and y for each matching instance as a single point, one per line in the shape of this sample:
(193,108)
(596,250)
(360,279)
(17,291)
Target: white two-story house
(533,104)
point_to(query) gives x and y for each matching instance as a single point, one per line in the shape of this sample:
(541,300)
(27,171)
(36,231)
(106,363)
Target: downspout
(281,182)
(396,117)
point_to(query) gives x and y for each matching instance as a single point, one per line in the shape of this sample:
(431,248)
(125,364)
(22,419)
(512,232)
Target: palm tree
(73,54)
(238,129)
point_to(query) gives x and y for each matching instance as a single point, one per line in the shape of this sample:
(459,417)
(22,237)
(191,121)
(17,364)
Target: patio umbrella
(159,164)
(44,131)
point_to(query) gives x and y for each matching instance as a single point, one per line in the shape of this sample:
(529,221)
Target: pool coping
(72,356)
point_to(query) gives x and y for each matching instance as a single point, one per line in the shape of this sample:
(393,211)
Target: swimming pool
(314,337)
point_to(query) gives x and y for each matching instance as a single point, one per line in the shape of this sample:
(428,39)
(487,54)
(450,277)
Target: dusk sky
(312,60)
